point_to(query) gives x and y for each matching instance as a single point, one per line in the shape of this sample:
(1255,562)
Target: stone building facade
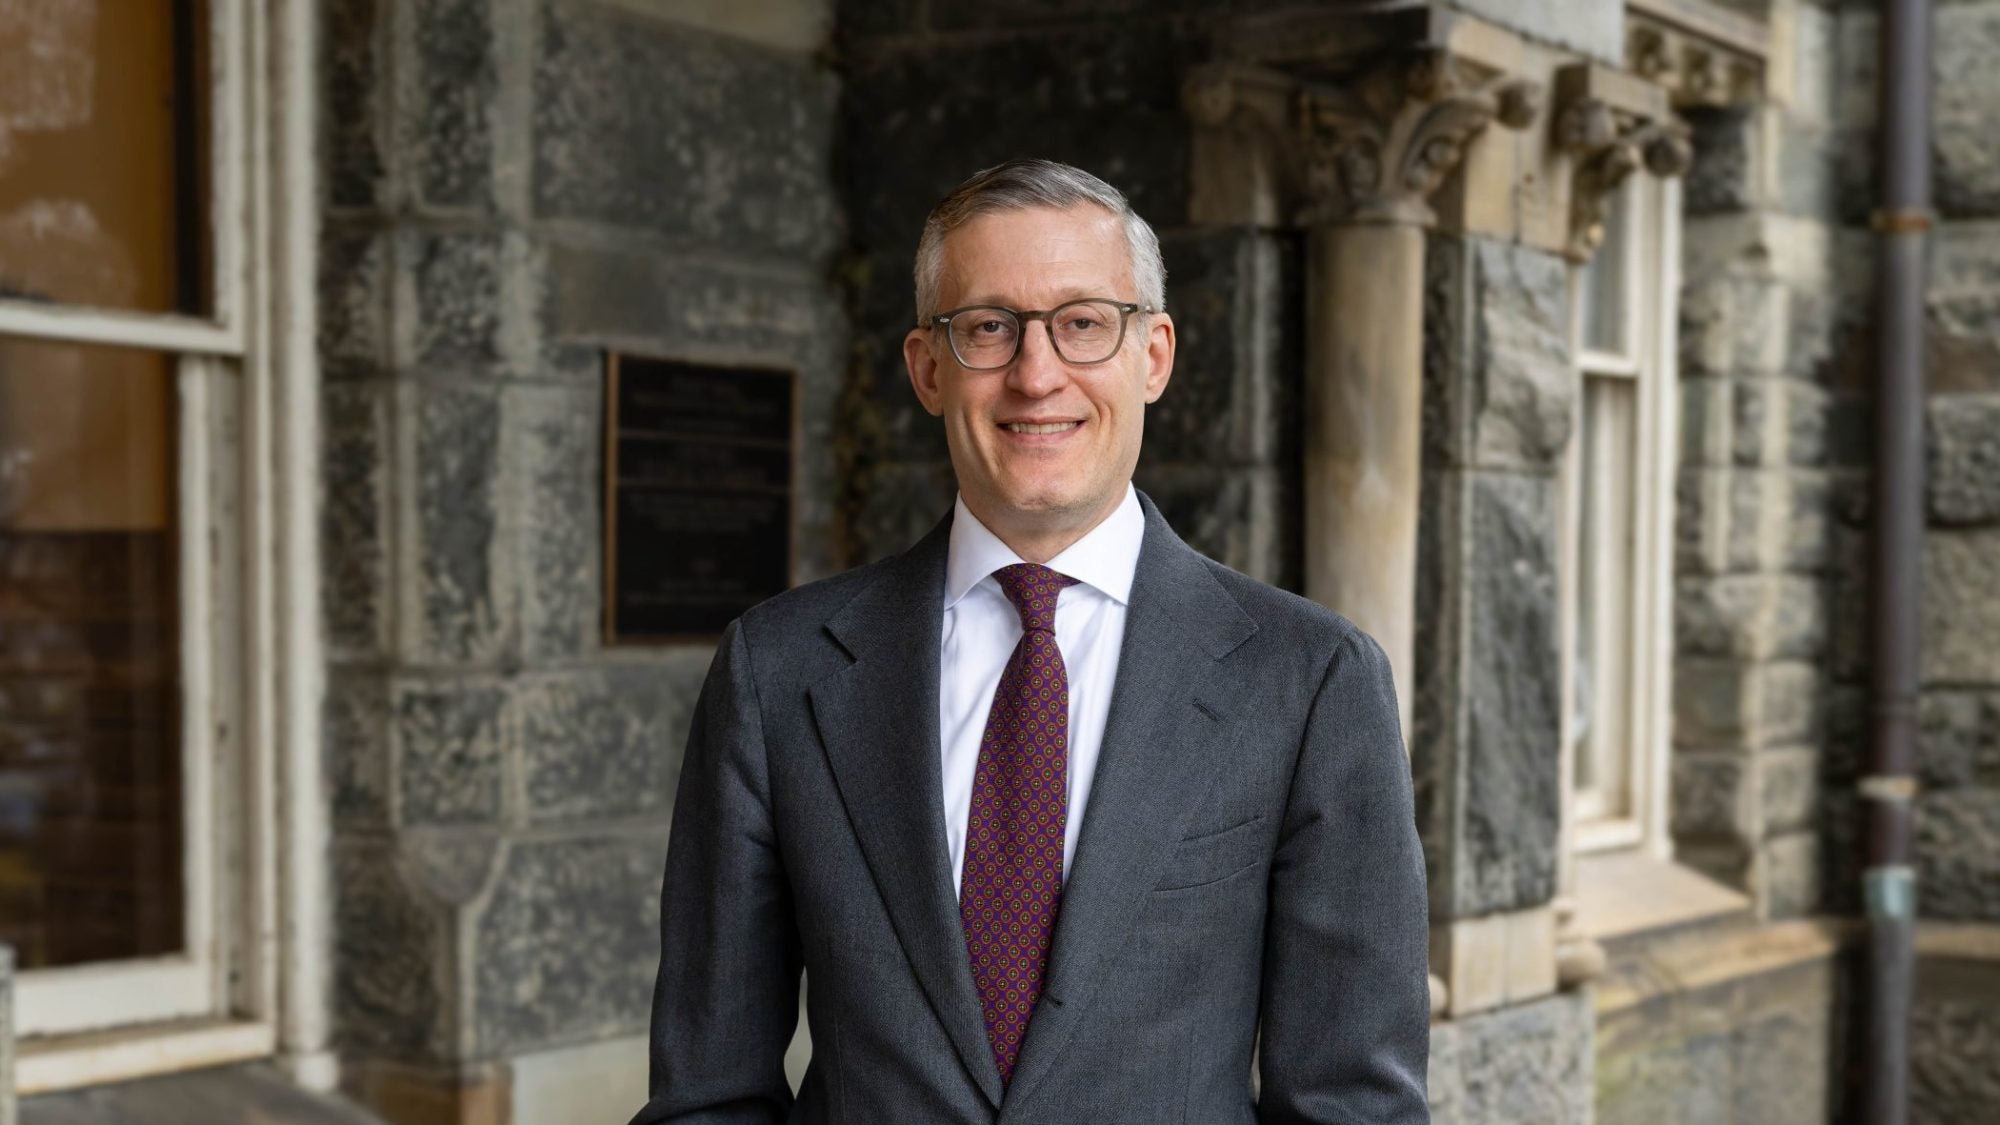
(1405,206)
(512,189)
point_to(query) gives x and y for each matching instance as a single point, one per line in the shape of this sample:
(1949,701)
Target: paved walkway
(232,1095)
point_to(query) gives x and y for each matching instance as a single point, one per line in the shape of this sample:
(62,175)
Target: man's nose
(1037,371)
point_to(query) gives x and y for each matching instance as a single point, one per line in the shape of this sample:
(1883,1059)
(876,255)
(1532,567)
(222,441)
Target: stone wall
(1744,1019)
(1103,92)
(1486,737)
(1959,808)
(1741,1025)
(512,187)
(1956,1040)
(1959,814)
(1958,825)
(1766,439)
(1531,1062)
(1955,1029)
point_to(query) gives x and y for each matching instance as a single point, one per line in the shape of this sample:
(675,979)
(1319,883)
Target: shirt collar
(1106,557)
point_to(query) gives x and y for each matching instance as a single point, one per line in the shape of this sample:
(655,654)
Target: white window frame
(251,981)
(1651,285)
(92,997)
(222,333)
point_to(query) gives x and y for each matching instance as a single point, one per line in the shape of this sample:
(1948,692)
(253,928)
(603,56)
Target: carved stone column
(1357,164)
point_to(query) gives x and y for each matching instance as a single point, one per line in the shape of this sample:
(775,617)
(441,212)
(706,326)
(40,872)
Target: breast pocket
(1210,857)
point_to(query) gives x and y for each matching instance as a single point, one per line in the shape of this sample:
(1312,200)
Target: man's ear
(1159,354)
(923,365)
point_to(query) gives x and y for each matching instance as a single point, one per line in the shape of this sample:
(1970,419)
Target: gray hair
(1020,185)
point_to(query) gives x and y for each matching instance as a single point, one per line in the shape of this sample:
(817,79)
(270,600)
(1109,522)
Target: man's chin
(1046,507)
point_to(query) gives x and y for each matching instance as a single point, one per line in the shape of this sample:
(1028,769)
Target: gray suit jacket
(1249,862)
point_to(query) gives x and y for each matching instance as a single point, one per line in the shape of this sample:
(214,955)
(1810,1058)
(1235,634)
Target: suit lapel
(1170,723)
(878,719)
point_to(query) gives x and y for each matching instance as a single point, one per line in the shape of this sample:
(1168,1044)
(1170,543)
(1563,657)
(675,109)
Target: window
(139,641)
(1619,474)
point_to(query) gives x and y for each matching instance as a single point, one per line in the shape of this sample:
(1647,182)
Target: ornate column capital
(1370,149)
(1376,150)
(1611,128)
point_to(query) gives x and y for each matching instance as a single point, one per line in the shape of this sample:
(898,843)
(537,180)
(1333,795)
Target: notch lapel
(878,719)
(1170,723)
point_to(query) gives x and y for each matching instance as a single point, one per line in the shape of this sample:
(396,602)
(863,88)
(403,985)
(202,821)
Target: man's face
(1016,473)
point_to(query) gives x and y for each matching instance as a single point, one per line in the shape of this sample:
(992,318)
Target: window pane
(1604,307)
(103,154)
(1604,659)
(90,778)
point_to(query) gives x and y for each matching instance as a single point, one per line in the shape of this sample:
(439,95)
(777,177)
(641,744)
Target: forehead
(1037,254)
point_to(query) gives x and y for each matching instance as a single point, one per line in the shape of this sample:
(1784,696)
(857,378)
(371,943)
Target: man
(1061,820)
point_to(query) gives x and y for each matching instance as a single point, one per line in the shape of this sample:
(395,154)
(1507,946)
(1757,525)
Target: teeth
(1042,428)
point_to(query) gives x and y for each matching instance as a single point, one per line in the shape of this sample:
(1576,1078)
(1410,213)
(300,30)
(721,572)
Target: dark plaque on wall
(698,494)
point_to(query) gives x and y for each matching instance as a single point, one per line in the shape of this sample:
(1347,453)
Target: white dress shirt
(981,628)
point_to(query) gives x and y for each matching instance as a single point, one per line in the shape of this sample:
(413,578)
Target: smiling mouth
(1039,427)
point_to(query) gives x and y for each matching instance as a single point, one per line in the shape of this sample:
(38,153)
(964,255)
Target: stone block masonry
(1218,457)
(607,81)
(1955,1029)
(1958,813)
(1964,463)
(1749,1031)
(1964,164)
(513,187)
(1764,314)
(1532,1062)
(1486,728)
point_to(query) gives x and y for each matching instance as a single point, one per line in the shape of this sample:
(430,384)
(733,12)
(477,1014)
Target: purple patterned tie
(1012,883)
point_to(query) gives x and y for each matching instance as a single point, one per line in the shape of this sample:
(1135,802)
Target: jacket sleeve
(726,1000)
(1346,994)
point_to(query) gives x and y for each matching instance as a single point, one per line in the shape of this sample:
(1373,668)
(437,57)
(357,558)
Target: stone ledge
(47,1064)
(1628,896)
(1704,958)
(1958,941)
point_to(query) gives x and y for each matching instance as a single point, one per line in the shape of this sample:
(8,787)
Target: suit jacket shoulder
(794,638)
(1298,643)
(1287,618)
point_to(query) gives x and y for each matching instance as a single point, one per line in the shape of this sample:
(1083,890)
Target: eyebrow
(1063,296)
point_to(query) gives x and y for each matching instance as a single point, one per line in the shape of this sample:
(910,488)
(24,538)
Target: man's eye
(1083,322)
(990,327)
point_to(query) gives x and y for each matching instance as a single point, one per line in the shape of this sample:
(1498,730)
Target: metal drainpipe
(1902,222)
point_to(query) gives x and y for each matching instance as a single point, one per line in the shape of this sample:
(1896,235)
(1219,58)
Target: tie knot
(1033,590)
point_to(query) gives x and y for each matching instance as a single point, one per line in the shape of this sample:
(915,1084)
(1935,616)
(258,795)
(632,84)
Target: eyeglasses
(986,337)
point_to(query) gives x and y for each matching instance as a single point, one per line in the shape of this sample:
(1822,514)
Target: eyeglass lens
(1082,331)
